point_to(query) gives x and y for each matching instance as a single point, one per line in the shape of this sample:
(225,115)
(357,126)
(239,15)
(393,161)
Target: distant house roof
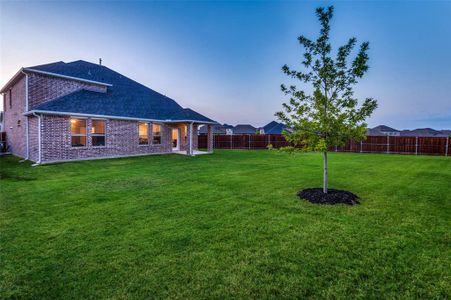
(270,125)
(274,127)
(244,129)
(425,132)
(124,97)
(384,128)
(217,129)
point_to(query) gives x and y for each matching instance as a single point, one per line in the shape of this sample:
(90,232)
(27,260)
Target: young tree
(330,115)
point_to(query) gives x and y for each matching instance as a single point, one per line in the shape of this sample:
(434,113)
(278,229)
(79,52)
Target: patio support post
(210,138)
(189,142)
(447,146)
(416,145)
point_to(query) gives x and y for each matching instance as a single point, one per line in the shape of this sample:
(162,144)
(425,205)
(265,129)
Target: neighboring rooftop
(384,128)
(217,129)
(274,127)
(244,129)
(420,132)
(425,132)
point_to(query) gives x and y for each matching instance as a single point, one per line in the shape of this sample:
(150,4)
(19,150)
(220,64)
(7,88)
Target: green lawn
(227,225)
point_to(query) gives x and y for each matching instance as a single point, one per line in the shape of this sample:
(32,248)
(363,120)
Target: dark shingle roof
(384,128)
(217,129)
(244,129)
(269,125)
(423,132)
(274,127)
(125,98)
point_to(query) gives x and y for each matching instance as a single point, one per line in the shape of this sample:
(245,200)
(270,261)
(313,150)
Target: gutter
(34,111)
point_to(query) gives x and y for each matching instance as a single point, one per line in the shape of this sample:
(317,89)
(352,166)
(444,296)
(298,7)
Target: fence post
(269,140)
(388,144)
(447,146)
(231,142)
(336,148)
(249,141)
(361,143)
(416,145)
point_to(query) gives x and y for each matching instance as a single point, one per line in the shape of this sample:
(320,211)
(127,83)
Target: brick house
(79,110)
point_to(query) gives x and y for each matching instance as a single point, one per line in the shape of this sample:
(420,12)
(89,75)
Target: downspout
(39,139)
(26,110)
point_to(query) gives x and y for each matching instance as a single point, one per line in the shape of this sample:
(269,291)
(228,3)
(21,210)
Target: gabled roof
(244,129)
(384,128)
(423,132)
(270,125)
(124,97)
(217,129)
(274,127)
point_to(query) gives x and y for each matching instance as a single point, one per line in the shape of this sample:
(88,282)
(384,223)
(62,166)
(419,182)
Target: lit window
(156,134)
(143,132)
(98,133)
(78,132)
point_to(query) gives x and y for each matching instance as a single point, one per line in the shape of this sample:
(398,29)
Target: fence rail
(373,144)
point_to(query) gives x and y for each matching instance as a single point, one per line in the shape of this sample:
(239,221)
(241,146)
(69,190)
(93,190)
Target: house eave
(30,70)
(65,76)
(191,121)
(11,81)
(62,113)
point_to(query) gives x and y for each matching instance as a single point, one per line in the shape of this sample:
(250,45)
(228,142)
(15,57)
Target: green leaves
(330,116)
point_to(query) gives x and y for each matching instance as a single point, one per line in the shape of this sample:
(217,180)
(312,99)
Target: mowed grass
(227,225)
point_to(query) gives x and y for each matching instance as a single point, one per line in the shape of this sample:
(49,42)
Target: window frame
(99,134)
(139,136)
(78,134)
(156,135)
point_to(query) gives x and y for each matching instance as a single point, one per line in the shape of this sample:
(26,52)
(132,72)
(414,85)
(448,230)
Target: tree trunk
(325,173)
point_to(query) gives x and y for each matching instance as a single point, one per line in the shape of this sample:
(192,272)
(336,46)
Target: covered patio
(184,138)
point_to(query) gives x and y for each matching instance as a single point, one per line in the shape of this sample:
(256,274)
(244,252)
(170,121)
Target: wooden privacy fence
(373,144)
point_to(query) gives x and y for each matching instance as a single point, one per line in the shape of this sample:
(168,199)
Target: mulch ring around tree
(316,195)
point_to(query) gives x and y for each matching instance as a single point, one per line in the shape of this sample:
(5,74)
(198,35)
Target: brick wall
(184,136)
(121,140)
(183,133)
(15,122)
(121,135)
(195,135)
(42,88)
(33,145)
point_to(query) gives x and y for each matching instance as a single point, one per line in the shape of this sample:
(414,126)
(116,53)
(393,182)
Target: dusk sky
(224,59)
